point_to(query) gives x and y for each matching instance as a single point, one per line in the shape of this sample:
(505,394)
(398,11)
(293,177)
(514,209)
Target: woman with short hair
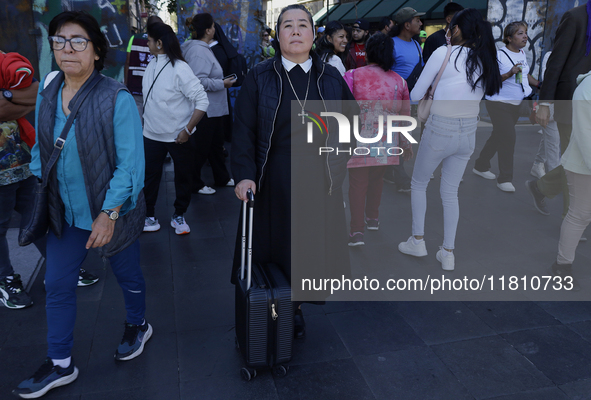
(94,191)
(503,107)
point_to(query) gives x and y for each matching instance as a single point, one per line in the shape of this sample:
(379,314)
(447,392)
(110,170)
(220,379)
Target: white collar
(213,43)
(288,65)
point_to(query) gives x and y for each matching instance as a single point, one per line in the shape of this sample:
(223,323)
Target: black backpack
(238,66)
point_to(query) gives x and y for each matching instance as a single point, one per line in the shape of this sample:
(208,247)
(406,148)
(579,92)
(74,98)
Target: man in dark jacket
(570,58)
(437,39)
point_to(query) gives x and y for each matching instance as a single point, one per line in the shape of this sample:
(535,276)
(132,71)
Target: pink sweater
(368,84)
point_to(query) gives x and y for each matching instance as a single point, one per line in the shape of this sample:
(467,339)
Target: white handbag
(424,108)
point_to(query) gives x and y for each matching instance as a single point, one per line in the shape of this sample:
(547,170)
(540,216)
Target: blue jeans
(64,258)
(450,142)
(19,197)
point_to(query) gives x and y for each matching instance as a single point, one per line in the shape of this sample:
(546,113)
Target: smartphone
(233,76)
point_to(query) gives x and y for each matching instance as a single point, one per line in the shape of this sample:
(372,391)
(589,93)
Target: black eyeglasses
(77,43)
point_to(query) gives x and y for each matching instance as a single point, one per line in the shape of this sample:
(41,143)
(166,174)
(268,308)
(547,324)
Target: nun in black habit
(299,219)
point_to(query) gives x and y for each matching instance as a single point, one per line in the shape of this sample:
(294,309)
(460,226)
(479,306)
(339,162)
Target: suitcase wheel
(248,374)
(280,370)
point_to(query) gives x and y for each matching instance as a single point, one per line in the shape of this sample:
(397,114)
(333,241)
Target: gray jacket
(206,67)
(96,145)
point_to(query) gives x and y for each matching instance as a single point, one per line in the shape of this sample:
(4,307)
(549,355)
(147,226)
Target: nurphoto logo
(394,124)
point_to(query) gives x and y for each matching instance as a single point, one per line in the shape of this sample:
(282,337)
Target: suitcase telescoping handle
(246,259)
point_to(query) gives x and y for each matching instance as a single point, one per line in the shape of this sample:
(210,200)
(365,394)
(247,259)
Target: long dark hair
(326,48)
(482,53)
(170,43)
(380,50)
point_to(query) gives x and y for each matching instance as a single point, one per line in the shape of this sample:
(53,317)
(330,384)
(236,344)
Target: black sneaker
(539,198)
(47,377)
(356,239)
(134,339)
(12,294)
(372,224)
(404,188)
(564,271)
(85,278)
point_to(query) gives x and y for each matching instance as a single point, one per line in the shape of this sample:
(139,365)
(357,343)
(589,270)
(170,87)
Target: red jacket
(16,72)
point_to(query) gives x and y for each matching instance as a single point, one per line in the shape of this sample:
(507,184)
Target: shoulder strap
(445,61)
(49,77)
(510,59)
(150,91)
(419,50)
(59,143)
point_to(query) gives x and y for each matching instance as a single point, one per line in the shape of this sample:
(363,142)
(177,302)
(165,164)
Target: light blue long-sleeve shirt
(128,178)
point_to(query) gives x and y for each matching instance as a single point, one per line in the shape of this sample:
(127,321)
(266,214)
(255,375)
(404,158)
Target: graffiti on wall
(113,20)
(556,10)
(503,12)
(241,21)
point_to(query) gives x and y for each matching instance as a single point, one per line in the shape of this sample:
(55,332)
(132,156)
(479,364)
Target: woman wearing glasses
(94,191)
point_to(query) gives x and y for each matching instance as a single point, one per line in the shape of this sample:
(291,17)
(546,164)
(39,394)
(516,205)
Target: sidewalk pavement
(353,350)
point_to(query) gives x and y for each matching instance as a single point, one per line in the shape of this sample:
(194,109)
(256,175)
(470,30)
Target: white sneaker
(231,183)
(446,258)
(179,225)
(538,170)
(206,190)
(151,224)
(506,187)
(409,247)
(485,174)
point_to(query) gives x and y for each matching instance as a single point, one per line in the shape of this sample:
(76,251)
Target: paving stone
(583,329)
(454,321)
(208,352)
(579,390)
(157,364)
(369,332)
(411,374)
(490,367)
(336,380)
(568,311)
(163,392)
(540,394)
(322,342)
(232,386)
(506,317)
(561,354)
(199,310)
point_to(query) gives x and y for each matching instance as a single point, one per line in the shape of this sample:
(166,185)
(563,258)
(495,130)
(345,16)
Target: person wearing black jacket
(437,39)
(268,135)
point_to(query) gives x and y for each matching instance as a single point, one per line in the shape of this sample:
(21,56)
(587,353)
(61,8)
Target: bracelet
(187,130)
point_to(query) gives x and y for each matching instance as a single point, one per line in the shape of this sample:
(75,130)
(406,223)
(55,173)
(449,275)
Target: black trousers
(155,153)
(501,141)
(208,144)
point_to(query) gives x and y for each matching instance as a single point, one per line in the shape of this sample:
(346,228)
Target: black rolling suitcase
(264,311)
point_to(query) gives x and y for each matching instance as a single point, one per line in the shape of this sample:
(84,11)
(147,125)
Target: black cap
(362,24)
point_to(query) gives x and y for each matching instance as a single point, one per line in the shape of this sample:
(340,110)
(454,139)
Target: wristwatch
(7,94)
(113,215)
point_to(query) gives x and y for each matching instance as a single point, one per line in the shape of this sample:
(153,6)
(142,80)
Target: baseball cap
(362,24)
(405,14)
(423,34)
(320,29)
